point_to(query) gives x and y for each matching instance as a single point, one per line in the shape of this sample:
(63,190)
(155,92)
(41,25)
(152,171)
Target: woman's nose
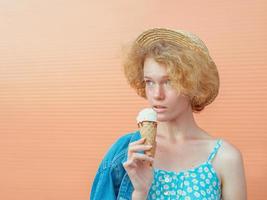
(159,92)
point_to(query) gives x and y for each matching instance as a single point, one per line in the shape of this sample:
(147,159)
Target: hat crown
(181,37)
(195,39)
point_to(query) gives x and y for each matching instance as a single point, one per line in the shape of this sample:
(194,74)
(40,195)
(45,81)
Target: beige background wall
(64,100)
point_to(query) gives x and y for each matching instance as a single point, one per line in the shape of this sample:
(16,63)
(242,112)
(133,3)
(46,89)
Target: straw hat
(181,37)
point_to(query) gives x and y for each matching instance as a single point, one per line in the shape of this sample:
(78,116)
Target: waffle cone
(148,130)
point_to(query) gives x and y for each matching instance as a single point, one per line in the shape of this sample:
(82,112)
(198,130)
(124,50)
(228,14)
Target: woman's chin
(165,118)
(162,119)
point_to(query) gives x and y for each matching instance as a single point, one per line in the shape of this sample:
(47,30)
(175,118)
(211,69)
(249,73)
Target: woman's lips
(159,109)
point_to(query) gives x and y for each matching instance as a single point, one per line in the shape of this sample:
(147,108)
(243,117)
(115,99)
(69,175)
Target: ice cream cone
(147,123)
(148,130)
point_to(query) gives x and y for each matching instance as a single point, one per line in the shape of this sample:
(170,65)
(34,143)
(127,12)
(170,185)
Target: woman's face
(163,98)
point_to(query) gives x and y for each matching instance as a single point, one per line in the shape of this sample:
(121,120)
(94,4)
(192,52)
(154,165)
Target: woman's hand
(138,166)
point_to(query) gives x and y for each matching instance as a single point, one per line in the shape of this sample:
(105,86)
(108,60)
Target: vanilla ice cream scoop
(147,114)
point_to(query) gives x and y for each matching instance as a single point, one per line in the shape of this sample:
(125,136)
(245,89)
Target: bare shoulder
(231,168)
(230,159)
(229,152)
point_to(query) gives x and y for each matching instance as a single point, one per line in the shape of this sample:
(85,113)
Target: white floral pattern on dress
(199,183)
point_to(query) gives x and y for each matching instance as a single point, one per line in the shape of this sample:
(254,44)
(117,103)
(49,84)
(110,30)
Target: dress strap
(215,149)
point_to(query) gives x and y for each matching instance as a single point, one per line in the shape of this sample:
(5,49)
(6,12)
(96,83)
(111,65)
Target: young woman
(173,71)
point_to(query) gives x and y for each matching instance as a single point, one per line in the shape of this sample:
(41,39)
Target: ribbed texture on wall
(64,100)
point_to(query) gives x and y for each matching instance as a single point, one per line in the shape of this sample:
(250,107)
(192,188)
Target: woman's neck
(179,130)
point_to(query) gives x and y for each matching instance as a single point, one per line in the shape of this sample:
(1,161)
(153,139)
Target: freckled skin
(160,92)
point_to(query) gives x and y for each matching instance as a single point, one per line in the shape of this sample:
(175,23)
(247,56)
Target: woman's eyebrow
(166,76)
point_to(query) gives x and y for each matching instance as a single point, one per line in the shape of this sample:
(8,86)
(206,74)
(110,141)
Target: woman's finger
(138,147)
(142,157)
(142,140)
(129,164)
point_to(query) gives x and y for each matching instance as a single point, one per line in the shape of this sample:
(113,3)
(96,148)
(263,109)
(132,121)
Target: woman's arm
(233,174)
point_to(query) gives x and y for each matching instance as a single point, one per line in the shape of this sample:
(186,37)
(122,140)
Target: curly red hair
(191,72)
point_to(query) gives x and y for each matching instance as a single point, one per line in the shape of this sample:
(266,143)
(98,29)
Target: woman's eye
(167,82)
(148,82)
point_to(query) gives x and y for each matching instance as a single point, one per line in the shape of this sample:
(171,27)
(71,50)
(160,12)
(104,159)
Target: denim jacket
(111,181)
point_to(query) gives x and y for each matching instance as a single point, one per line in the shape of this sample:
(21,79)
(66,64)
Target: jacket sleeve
(103,186)
(108,178)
